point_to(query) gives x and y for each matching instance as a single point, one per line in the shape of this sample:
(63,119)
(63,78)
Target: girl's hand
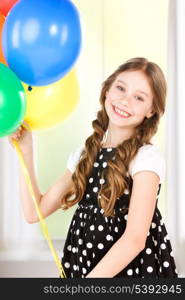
(23,137)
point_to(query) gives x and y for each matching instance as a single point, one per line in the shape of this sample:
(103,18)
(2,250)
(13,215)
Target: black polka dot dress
(91,235)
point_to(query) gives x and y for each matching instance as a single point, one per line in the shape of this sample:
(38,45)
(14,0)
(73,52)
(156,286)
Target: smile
(120,112)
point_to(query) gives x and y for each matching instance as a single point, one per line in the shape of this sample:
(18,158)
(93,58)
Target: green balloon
(12,101)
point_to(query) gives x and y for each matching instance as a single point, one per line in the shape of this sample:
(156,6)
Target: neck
(116,135)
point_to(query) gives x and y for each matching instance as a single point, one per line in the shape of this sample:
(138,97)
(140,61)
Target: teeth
(121,112)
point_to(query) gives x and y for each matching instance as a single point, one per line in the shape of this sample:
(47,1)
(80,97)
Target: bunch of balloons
(40,41)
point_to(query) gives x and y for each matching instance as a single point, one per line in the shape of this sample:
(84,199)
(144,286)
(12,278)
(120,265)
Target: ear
(149,114)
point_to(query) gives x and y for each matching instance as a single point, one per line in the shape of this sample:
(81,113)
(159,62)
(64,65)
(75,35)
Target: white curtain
(175,136)
(17,238)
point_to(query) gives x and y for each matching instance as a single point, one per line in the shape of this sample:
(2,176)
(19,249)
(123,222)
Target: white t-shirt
(148,158)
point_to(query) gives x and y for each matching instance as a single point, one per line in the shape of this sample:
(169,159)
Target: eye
(119,87)
(139,98)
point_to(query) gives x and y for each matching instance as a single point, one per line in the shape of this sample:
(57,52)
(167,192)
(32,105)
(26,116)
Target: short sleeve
(74,158)
(148,158)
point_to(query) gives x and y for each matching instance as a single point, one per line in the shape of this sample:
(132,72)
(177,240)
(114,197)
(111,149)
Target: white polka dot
(84,270)
(87,195)
(149,269)
(171,253)
(91,180)
(130,272)
(95,189)
(69,247)
(137,270)
(80,259)
(163,246)
(93,254)
(109,237)
(166,264)
(81,224)
(126,191)
(96,164)
(67,265)
(109,149)
(153,225)
(102,211)
(84,252)
(89,245)
(100,246)
(102,181)
(159,228)
(73,249)
(155,242)
(77,231)
(88,263)
(74,267)
(104,164)
(116,229)
(148,251)
(148,233)
(125,217)
(92,227)
(73,222)
(80,241)
(80,215)
(141,260)
(100,227)
(106,219)
(101,156)
(95,210)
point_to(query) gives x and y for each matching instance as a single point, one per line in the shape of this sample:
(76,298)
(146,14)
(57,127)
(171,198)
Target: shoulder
(74,157)
(150,158)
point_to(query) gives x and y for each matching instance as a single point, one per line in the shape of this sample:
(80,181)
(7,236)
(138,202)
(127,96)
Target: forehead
(136,79)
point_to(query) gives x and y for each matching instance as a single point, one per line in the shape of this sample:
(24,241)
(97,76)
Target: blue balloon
(41,40)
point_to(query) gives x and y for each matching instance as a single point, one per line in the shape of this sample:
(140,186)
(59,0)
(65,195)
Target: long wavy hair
(116,172)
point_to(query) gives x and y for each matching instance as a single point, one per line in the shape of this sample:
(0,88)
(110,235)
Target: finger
(26,126)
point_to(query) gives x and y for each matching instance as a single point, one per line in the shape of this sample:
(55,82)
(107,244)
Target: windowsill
(39,251)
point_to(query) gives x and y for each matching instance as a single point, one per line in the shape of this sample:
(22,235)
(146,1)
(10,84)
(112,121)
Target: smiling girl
(115,177)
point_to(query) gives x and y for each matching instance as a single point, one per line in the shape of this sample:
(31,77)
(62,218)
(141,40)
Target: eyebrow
(137,90)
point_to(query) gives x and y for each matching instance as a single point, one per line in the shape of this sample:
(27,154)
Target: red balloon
(2,19)
(6,5)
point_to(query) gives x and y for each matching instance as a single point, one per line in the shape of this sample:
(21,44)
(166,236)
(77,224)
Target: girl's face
(129,99)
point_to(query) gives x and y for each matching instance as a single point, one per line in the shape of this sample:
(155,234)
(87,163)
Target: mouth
(121,113)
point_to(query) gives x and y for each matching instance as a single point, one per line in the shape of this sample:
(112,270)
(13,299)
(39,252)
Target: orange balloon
(2,19)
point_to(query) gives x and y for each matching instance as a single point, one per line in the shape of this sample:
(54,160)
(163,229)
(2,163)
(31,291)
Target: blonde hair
(116,171)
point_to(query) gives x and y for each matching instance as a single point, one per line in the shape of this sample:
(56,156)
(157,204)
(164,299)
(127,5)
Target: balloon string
(41,219)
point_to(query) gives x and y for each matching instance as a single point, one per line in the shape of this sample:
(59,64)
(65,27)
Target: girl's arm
(132,242)
(48,202)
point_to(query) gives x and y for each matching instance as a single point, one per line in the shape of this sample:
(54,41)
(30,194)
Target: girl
(115,177)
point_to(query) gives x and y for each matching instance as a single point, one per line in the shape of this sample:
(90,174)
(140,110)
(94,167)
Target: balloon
(12,101)
(42,40)
(2,19)
(49,105)
(6,5)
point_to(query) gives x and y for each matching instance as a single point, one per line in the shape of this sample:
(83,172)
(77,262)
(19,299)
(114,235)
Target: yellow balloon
(49,105)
